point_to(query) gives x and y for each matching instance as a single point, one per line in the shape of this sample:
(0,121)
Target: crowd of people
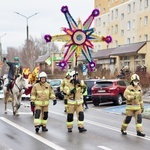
(75,91)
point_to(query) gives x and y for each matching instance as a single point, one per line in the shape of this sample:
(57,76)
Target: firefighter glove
(73,91)
(54,102)
(142,110)
(4,59)
(32,104)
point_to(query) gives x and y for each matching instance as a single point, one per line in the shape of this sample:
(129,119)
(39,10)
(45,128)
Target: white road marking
(37,137)
(103,147)
(105,126)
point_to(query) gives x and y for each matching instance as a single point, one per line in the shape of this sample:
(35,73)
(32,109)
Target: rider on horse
(14,69)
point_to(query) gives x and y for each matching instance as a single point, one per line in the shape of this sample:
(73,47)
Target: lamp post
(27,28)
(1,52)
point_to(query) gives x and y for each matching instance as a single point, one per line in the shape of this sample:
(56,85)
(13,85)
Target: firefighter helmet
(68,74)
(135,77)
(42,75)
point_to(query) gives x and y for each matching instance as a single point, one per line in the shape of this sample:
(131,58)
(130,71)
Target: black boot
(82,129)
(44,129)
(69,129)
(140,133)
(37,129)
(123,132)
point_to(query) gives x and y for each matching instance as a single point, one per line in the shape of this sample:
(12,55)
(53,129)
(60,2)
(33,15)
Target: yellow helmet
(135,77)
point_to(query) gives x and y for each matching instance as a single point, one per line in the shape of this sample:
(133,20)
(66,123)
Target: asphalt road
(17,133)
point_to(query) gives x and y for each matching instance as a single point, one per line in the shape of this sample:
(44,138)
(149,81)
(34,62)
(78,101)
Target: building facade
(128,22)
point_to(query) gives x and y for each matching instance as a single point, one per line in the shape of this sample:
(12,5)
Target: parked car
(109,91)
(55,83)
(90,83)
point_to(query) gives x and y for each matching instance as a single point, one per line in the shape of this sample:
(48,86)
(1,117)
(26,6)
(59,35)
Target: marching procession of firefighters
(74,91)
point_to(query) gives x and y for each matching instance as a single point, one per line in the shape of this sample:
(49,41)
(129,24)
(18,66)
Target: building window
(111,29)
(140,22)
(146,3)
(145,37)
(133,6)
(112,15)
(122,32)
(116,28)
(122,16)
(108,17)
(116,13)
(128,25)
(103,24)
(133,39)
(99,33)
(128,40)
(146,20)
(140,38)
(116,43)
(99,21)
(133,24)
(104,10)
(129,8)
(140,4)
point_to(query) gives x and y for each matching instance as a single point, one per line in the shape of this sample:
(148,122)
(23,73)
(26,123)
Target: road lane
(103,130)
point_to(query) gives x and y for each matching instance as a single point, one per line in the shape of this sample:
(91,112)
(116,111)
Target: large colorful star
(78,38)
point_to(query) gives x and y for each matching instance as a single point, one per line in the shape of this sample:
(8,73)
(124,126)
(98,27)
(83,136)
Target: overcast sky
(48,20)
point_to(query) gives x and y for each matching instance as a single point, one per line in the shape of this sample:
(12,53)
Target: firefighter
(75,101)
(14,69)
(85,92)
(40,95)
(134,105)
(63,85)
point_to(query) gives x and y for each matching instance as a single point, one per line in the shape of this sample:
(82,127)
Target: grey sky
(48,20)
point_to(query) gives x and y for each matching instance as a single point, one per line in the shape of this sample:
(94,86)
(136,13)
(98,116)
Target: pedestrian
(41,93)
(15,68)
(85,92)
(65,83)
(134,105)
(75,101)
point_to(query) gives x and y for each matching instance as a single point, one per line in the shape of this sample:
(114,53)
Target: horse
(18,87)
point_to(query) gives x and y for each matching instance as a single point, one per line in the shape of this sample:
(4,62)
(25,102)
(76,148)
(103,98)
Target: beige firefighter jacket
(65,84)
(133,97)
(41,93)
(77,96)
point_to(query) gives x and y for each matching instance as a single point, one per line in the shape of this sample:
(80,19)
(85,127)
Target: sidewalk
(146,100)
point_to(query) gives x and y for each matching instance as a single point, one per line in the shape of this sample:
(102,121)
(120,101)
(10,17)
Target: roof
(83,58)
(102,54)
(42,58)
(128,49)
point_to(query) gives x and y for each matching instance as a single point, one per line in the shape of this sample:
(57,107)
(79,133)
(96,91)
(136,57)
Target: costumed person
(41,94)
(65,83)
(15,68)
(85,92)
(134,105)
(75,101)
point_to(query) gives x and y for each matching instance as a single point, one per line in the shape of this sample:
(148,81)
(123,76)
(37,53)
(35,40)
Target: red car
(110,90)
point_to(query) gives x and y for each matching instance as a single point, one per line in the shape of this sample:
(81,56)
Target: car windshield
(55,82)
(90,83)
(104,83)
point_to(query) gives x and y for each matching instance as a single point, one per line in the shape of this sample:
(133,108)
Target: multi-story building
(128,22)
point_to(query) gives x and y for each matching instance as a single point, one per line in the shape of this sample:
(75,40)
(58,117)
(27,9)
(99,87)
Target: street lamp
(1,53)
(27,28)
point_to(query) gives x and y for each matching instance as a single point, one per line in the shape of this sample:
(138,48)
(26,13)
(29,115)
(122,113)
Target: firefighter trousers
(138,119)
(40,115)
(71,109)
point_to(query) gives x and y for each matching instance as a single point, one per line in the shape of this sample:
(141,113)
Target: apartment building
(128,22)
